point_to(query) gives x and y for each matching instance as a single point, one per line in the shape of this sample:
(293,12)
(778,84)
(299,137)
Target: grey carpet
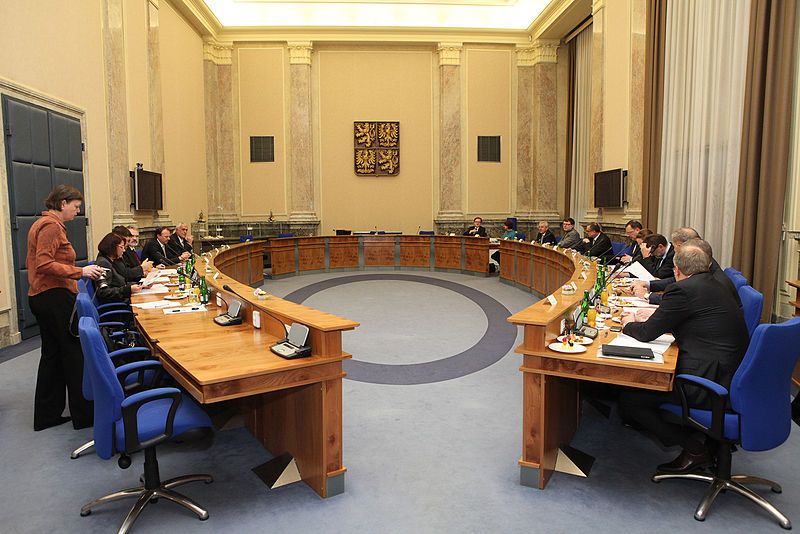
(438,457)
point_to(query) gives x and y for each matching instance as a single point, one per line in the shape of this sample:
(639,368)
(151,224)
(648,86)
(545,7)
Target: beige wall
(375,84)
(261,86)
(488,80)
(66,67)
(136,78)
(616,84)
(184,118)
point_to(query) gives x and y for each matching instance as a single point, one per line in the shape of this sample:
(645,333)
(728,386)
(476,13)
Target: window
(489,148)
(262,149)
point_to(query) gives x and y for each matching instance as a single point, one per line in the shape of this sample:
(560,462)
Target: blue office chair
(558,239)
(245,238)
(521,236)
(87,287)
(116,323)
(285,235)
(759,418)
(736,277)
(752,305)
(619,248)
(426,232)
(125,425)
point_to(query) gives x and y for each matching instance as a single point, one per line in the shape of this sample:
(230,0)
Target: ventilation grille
(262,148)
(489,148)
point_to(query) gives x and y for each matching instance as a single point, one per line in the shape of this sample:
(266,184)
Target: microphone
(228,288)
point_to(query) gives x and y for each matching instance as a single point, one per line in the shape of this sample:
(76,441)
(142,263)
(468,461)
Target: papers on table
(185,309)
(167,272)
(636,269)
(156,305)
(659,346)
(155,289)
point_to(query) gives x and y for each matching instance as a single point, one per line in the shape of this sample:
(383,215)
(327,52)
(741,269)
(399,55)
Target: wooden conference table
(550,380)
(292,406)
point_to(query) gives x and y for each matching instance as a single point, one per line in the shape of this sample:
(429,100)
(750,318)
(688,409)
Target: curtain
(765,145)
(570,125)
(704,80)
(653,110)
(581,126)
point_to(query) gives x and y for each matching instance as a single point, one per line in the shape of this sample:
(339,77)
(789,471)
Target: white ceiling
(464,14)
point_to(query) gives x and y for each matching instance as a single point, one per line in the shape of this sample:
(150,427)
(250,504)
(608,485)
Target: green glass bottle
(181,278)
(203,290)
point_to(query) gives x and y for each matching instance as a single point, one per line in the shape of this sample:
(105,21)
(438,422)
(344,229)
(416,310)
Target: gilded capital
(216,52)
(541,51)
(597,5)
(300,52)
(449,53)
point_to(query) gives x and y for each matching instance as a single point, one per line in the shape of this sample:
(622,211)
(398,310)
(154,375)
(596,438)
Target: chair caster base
(85,513)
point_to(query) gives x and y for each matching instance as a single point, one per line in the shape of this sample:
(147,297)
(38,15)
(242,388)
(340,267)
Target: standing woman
(52,277)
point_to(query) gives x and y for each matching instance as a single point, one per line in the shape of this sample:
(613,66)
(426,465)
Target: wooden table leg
(306,422)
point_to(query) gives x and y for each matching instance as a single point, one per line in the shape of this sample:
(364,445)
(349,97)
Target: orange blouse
(51,258)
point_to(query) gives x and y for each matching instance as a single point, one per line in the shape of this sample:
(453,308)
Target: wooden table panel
(476,255)
(282,252)
(448,252)
(379,251)
(311,254)
(343,253)
(415,251)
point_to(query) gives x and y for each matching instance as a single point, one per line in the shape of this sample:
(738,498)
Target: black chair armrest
(718,395)
(130,410)
(139,369)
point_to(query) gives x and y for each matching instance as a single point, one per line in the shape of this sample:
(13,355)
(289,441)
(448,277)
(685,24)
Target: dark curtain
(653,111)
(766,127)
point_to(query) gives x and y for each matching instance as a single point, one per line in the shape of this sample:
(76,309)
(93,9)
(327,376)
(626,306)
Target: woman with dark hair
(132,273)
(53,284)
(112,286)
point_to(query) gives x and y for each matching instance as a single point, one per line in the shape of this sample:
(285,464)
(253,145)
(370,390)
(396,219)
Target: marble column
(116,111)
(303,218)
(537,109)
(451,211)
(598,72)
(223,188)
(156,117)
(633,209)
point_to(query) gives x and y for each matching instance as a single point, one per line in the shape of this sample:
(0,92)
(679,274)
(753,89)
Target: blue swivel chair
(752,305)
(618,248)
(759,418)
(133,383)
(286,235)
(87,287)
(426,232)
(521,236)
(140,422)
(736,277)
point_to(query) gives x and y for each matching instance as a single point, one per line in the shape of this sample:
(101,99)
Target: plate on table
(174,297)
(581,340)
(566,349)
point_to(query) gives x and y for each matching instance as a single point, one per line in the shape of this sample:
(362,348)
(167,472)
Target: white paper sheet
(636,269)
(155,289)
(156,305)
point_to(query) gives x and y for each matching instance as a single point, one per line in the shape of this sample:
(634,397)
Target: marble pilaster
(302,214)
(537,115)
(450,173)
(598,72)
(636,134)
(116,111)
(155,108)
(223,188)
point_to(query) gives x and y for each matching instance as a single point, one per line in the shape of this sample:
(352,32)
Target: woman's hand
(92,271)
(135,288)
(147,265)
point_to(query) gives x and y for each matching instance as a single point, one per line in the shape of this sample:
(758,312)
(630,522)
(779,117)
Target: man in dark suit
(662,253)
(651,290)
(712,338)
(596,244)
(156,249)
(545,236)
(179,246)
(130,256)
(131,273)
(632,229)
(476,229)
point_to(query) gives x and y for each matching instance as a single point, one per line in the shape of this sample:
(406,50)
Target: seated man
(156,249)
(179,246)
(131,257)
(596,244)
(711,335)
(130,273)
(650,290)
(571,237)
(545,236)
(662,253)
(476,230)
(632,230)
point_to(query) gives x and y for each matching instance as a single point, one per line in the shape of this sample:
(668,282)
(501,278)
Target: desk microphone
(226,287)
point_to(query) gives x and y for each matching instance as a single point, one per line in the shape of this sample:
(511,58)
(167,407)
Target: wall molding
(217,52)
(450,53)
